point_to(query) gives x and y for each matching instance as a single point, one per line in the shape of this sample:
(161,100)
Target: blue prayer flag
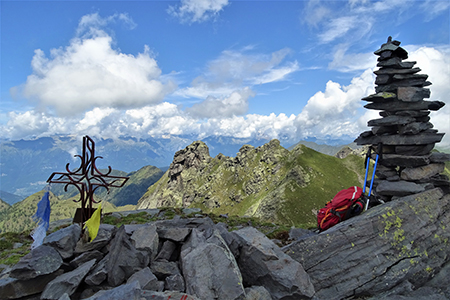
(42,217)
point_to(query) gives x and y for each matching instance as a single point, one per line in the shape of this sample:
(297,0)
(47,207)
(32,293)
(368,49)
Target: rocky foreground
(399,250)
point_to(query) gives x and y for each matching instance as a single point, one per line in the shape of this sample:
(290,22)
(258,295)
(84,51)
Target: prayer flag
(93,223)
(42,218)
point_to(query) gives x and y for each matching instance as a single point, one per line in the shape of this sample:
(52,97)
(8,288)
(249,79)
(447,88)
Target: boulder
(173,234)
(67,283)
(163,269)
(124,260)
(40,261)
(257,293)
(11,288)
(168,249)
(400,242)
(129,291)
(263,263)
(210,270)
(86,256)
(147,280)
(146,238)
(98,274)
(175,282)
(64,240)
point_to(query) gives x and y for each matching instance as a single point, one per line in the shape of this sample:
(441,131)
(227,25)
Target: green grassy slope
(18,217)
(268,182)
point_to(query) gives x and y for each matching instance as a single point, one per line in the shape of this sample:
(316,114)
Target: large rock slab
(399,188)
(124,260)
(67,283)
(146,238)
(211,271)
(399,242)
(11,288)
(147,280)
(263,263)
(98,274)
(398,140)
(64,240)
(40,261)
(129,291)
(422,172)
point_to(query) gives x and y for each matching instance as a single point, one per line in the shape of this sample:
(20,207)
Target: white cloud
(351,62)
(90,73)
(234,105)
(334,113)
(233,70)
(191,11)
(436,63)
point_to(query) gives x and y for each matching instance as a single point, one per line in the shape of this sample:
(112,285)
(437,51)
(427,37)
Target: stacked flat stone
(407,165)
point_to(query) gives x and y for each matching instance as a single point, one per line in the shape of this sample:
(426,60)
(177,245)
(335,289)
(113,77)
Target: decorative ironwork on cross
(87,178)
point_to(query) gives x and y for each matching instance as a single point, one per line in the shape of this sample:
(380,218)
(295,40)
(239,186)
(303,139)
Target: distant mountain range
(27,164)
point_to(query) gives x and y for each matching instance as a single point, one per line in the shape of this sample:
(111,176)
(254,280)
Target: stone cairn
(404,136)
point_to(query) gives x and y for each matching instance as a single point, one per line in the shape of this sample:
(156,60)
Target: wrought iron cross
(87,178)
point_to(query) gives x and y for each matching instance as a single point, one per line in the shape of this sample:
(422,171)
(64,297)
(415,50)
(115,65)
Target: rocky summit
(267,182)
(180,258)
(398,250)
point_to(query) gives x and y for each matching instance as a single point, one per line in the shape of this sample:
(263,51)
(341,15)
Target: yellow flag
(93,223)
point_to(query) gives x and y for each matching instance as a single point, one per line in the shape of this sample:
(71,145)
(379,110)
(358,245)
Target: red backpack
(345,204)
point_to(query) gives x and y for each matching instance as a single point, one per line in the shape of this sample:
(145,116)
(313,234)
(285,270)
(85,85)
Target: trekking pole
(379,149)
(367,170)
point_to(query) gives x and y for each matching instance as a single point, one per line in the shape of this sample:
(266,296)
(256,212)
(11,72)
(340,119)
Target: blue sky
(277,69)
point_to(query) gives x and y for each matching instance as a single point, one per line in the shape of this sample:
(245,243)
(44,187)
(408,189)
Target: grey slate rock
(65,296)
(399,140)
(391,120)
(175,283)
(401,105)
(374,252)
(11,288)
(124,260)
(414,150)
(147,280)
(163,269)
(129,291)
(263,263)
(67,283)
(422,172)
(98,274)
(393,160)
(167,250)
(257,293)
(86,256)
(211,272)
(146,238)
(399,188)
(411,93)
(174,234)
(40,261)
(64,240)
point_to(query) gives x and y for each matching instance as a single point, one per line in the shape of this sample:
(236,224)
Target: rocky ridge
(268,182)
